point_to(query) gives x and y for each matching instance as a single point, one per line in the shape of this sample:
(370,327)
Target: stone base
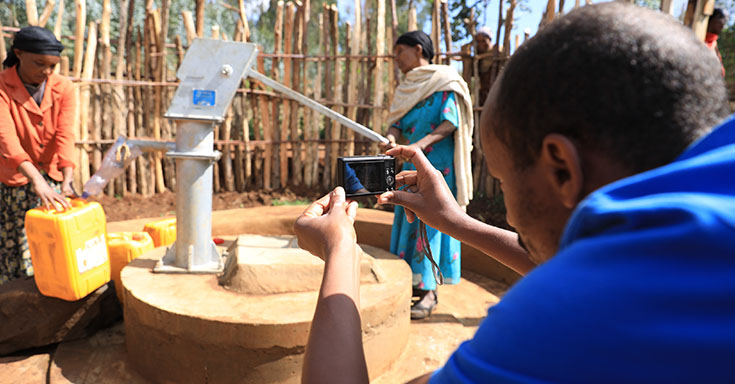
(189,329)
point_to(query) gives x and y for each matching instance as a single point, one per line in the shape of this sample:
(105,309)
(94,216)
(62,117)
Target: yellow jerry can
(69,249)
(124,248)
(163,232)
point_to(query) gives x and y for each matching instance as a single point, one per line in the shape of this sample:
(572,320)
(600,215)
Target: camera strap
(424,239)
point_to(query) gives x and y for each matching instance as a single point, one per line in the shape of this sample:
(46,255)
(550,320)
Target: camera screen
(364,178)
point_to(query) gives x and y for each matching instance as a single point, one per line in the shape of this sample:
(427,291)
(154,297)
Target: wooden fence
(267,141)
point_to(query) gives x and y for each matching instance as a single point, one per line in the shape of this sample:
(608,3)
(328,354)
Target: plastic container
(125,247)
(163,232)
(69,249)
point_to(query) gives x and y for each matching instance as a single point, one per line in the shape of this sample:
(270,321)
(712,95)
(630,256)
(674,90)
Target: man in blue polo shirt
(600,130)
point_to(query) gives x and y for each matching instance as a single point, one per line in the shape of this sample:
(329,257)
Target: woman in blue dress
(432,111)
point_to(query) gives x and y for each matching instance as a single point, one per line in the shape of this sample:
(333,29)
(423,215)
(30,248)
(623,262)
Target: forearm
(334,352)
(30,172)
(498,243)
(67,172)
(443,130)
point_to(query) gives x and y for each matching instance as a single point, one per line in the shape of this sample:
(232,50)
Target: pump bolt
(225,71)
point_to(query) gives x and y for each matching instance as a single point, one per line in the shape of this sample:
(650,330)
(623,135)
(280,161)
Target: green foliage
(726,44)
(290,202)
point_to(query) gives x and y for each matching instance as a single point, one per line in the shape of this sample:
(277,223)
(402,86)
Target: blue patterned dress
(417,123)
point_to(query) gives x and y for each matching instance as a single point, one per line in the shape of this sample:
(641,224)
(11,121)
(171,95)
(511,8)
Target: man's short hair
(626,82)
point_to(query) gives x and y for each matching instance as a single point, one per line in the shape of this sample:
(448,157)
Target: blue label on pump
(203,97)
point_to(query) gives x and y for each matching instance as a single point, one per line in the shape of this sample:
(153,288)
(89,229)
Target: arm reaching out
(334,351)
(433,203)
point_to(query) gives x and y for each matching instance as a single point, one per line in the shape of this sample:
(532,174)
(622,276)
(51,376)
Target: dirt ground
(134,206)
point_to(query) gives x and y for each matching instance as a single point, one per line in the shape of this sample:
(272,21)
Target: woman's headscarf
(415,38)
(34,40)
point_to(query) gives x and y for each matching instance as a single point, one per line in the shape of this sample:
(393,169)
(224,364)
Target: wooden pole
(447,28)
(378,75)
(118,94)
(509,26)
(352,89)
(412,25)
(84,98)
(139,123)
(277,148)
(169,166)
(46,14)
(31,12)
(312,163)
(667,6)
(59,20)
(79,36)
(435,30)
(106,96)
(296,148)
(287,81)
(244,20)
(336,133)
(200,17)
(191,32)
(267,132)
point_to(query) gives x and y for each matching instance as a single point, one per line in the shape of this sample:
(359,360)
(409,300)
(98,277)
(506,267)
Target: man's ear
(562,165)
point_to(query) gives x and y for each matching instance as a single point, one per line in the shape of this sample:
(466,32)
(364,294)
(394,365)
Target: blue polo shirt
(641,290)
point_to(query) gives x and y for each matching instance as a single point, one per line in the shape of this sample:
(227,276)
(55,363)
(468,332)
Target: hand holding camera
(327,224)
(430,198)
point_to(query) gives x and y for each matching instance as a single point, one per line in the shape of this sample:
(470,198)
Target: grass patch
(290,202)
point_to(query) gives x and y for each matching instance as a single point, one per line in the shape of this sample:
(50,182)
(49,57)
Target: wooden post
(119,104)
(89,56)
(31,12)
(79,37)
(267,131)
(435,30)
(412,26)
(244,20)
(287,81)
(509,26)
(548,15)
(191,32)
(179,51)
(200,17)
(59,20)
(395,75)
(296,164)
(447,29)
(576,3)
(378,75)
(667,6)
(337,95)
(306,116)
(144,177)
(46,14)
(700,20)
(169,166)
(312,163)
(106,96)
(279,147)
(561,7)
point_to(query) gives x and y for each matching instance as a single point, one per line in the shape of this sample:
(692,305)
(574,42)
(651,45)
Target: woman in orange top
(36,141)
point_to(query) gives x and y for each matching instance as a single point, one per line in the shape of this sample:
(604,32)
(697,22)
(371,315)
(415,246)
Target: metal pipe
(357,127)
(152,146)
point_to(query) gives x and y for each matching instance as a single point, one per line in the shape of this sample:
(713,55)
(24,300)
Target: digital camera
(366,175)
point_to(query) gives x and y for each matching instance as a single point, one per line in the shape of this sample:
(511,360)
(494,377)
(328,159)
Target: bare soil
(135,206)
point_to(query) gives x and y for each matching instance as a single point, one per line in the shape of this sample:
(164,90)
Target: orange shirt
(41,134)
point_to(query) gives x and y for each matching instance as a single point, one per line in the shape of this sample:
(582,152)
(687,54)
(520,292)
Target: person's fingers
(405,199)
(338,197)
(45,201)
(406,178)
(410,216)
(318,207)
(412,154)
(352,210)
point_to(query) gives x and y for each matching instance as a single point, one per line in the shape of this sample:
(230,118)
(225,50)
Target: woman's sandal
(422,308)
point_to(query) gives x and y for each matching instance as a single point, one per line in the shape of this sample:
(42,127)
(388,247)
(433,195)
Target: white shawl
(422,82)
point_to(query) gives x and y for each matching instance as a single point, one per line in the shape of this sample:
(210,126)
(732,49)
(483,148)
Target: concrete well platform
(189,329)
